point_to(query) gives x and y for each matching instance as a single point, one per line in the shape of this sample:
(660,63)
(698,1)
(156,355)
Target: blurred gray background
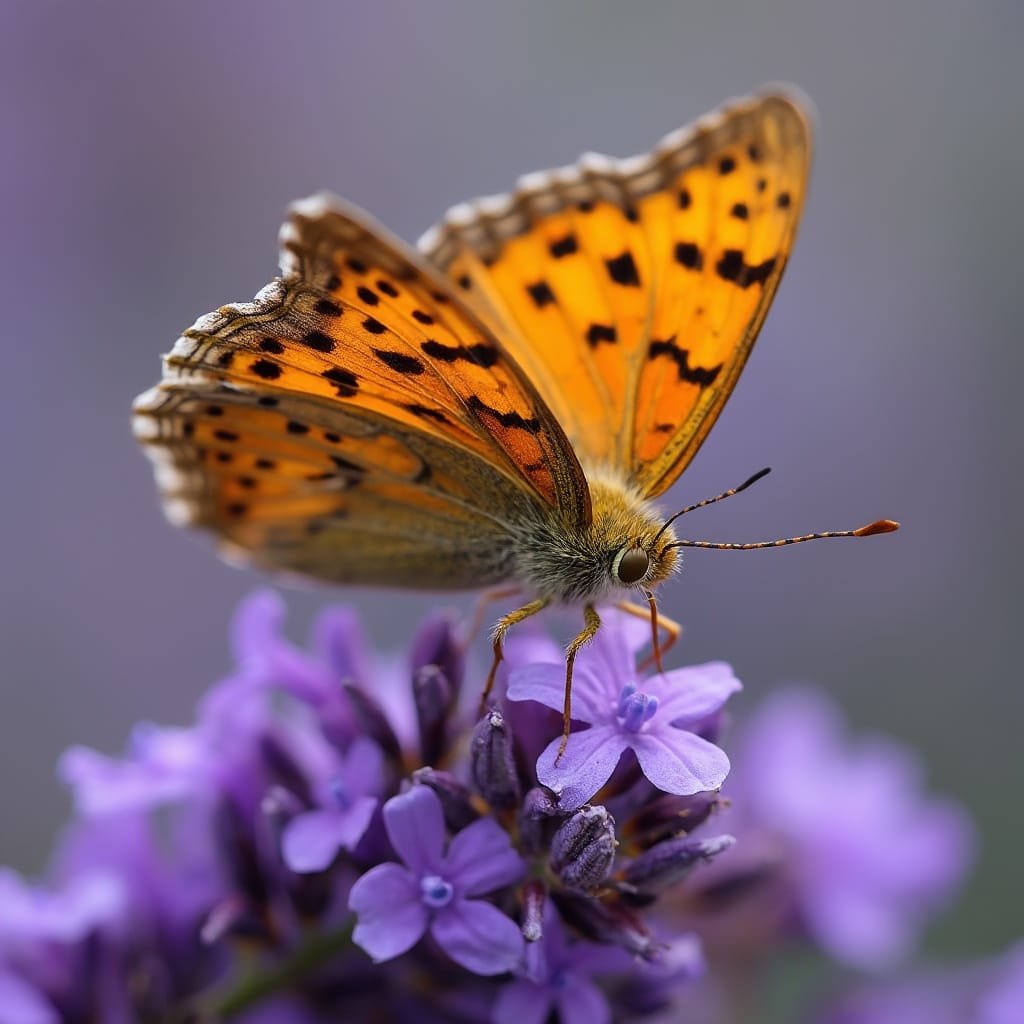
(148,151)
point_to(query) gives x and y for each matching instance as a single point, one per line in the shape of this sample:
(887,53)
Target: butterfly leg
(485,600)
(672,629)
(591,624)
(501,627)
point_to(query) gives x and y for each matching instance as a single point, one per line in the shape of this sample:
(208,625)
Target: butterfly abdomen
(571,564)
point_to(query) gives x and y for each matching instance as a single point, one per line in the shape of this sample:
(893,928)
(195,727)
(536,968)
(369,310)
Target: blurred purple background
(148,153)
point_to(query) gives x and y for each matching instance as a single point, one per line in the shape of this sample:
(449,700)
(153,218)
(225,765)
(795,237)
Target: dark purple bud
(282,767)
(456,799)
(538,819)
(605,921)
(240,854)
(668,815)
(432,695)
(666,863)
(534,895)
(492,761)
(372,720)
(583,848)
(438,643)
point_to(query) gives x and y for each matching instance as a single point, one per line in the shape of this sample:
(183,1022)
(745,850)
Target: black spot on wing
(596,333)
(426,413)
(295,427)
(373,326)
(266,369)
(731,267)
(622,270)
(387,288)
(726,165)
(740,211)
(564,246)
(319,341)
(481,353)
(701,376)
(783,200)
(327,308)
(271,345)
(367,295)
(689,255)
(506,419)
(345,381)
(685,199)
(422,318)
(541,294)
(400,362)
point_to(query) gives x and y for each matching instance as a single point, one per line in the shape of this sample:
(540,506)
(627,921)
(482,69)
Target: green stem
(315,952)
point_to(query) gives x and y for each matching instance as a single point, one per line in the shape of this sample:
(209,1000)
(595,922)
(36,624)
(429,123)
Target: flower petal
(256,624)
(415,826)
(481,859)
(691,694)
(339,642)
(478,936)
(22,1002)
(590,758)
(679,762)
(312,840)
(522,1002)
(580,1001)
(545,684)
(392,917)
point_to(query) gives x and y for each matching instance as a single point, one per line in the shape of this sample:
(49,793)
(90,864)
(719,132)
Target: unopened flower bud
(492,762)
(438,644)
(456,799)
(373,721)
(667,862)
(432,695)
(538,819)
(606,922)
(583,848)
(668,815)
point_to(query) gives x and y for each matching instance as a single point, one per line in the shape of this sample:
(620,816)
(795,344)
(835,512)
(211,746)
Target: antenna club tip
(879,526)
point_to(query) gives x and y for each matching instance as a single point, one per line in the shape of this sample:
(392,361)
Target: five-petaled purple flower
(345,804)
(658,718)
(434,890)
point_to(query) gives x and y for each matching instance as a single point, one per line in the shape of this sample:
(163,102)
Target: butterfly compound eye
(633,565)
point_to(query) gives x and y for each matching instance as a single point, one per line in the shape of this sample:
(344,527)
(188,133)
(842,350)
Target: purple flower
(657,718)
(395,905)
(868,857)
(346,801)
(557,976)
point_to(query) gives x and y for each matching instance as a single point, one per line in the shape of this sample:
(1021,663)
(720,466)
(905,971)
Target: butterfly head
(644,561)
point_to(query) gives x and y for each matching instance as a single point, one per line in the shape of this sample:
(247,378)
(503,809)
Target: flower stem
(313,953)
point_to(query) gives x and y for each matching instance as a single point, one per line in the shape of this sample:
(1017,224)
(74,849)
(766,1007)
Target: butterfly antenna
(879,526)
(710,501)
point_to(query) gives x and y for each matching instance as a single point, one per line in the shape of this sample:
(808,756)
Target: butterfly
(500,405)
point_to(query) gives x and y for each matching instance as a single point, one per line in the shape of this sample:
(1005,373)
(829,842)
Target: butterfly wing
(356,422)
(632,290)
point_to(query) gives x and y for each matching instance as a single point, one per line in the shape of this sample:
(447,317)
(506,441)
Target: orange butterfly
(499,406)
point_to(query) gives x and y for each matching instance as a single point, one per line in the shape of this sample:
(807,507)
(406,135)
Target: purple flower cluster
(342,837)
